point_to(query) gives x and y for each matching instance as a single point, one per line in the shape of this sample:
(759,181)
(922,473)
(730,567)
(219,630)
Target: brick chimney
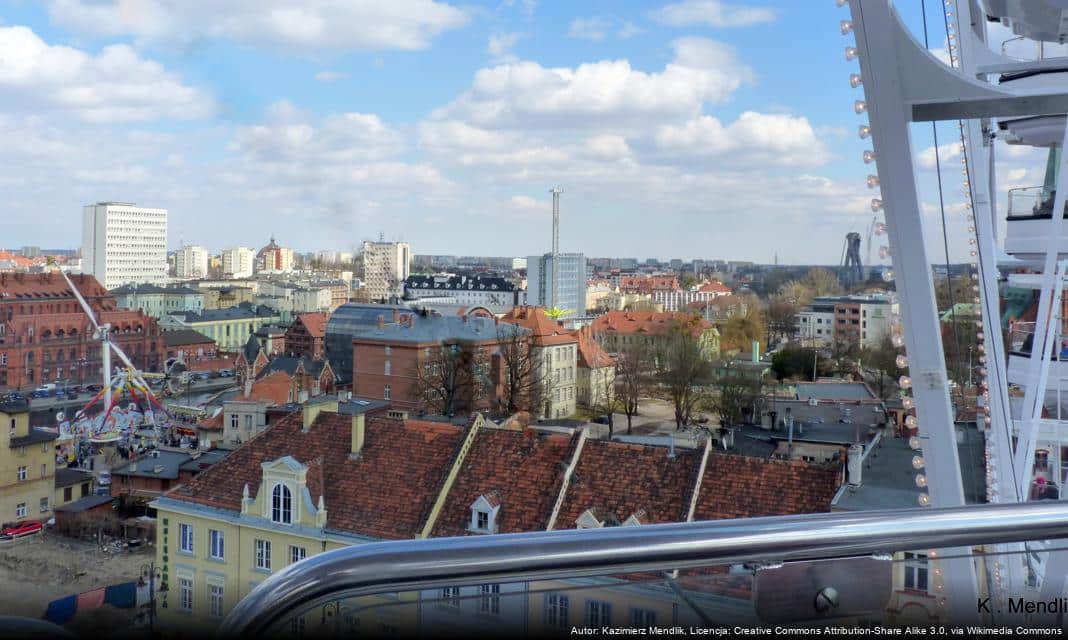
(396,316)
(359,425)
(381,321)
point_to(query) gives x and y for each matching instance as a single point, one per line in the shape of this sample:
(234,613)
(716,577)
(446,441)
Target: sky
(688,129)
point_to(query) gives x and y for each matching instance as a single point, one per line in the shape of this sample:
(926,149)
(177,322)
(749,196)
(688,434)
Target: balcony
(838,568)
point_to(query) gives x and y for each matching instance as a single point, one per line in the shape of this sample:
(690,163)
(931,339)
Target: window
(598,613)
(281,504)
(248,421)
(217,545)
(44,505)
(22,474)
(389,368)
(263,554)
(556,611)
(185,589)
(389,350)
(491,598)
(385,393)
(915,571)
(642,618)
(185,535)
(450,597)
(215,596)
(234,420)
(68,494)
(296,554)
(44,470)
(482,520)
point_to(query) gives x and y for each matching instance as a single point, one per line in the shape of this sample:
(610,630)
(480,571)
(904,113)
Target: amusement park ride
(114,422)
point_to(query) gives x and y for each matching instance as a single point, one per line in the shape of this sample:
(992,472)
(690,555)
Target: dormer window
(281,504)
(484,513)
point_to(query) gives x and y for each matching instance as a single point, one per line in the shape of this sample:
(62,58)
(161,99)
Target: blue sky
(695,128)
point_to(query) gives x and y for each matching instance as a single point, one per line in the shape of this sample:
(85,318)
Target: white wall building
(191,261)
(123,243)
(386,266)
(237,262)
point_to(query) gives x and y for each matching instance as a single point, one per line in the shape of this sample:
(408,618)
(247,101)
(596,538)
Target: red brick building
(305,337)
(387,361)
(46,337)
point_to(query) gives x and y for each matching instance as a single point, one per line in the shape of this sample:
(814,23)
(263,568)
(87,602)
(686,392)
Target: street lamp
(151,573)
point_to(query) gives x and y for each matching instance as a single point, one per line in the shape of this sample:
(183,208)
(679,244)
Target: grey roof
(459,283)
(84,504)
(252,348)
(806,415)
(834,391)
(888,480)
(12,405)
(183,337)
(35,436)
(356,406)
(205,460)
(439,329)
(66,477)
(243,311)
(127,289)
(289,364)
(168,464)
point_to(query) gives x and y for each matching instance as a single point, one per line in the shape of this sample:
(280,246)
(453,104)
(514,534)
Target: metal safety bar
(387,567)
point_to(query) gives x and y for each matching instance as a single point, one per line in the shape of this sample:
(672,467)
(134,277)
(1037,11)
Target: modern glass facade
(348,320)
(570,282)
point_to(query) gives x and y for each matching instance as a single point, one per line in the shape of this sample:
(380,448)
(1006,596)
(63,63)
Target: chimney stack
(381,321)
(396,316)
(358,432)
(854,465)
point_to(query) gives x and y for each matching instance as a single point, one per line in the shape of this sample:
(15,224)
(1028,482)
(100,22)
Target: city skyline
(670,127)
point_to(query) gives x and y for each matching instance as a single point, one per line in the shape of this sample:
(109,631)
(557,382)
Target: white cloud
(340,137)
(768,139)
(330,76)
(950,151)
(500,46)
(629,30)
(115,85)
(712,13)
(606,92)
(588,28)
(307,26)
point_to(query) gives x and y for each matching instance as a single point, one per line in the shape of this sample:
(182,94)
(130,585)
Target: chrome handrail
(387,567)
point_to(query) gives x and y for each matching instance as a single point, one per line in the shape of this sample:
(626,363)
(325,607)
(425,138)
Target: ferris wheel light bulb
(846,26)
(910,421)
(851,54)
(906,402)
(901,362)
(897,340)
(924,499)
(914,443)
(880,228)
(868,156)
(921,480)
(864,131)
(872,181)
(884,252)
(905,382)
(917,462)
(860,106)
(876,205)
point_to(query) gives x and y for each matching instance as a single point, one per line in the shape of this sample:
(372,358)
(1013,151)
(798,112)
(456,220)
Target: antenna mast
(556,191)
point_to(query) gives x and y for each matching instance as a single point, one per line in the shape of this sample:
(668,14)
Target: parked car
(94,388)
(601,420)
(19,530)
(226,373)
(104,479)
(40,393)
(74,391)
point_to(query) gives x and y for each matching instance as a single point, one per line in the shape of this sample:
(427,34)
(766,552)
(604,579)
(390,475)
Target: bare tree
(733,396)
(605,395)
(781,316)
(631,379)
(447,378)
(524,379)
(682,368)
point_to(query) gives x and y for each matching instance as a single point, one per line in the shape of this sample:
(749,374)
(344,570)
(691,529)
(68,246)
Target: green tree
(880,366)
(739,331)
(794,362)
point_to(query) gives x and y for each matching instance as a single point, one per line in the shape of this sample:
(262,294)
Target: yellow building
(229,328)
(71,485)
(318,480)
(27,465)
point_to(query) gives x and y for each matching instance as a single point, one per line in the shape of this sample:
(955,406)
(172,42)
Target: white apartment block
(386,265)
(124,244)
(191,261)
(237,262)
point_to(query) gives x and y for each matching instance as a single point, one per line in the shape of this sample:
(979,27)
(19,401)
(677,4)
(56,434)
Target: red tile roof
(623,479)
(214,423)
(741,487)
(646,322)
(273,388)
(545,330)
(714,286)
(523,468)
(386,492)
(590,354)
(314,323)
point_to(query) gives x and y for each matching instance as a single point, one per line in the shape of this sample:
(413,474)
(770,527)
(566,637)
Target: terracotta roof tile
(314,323)
(646,322)
(385,493)
(741,487)
(590,354)
(524,468)
(545,331)
(273,388)
(623,479)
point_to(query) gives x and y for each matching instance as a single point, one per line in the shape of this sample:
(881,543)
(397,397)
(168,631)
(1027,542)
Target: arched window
(281,504)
